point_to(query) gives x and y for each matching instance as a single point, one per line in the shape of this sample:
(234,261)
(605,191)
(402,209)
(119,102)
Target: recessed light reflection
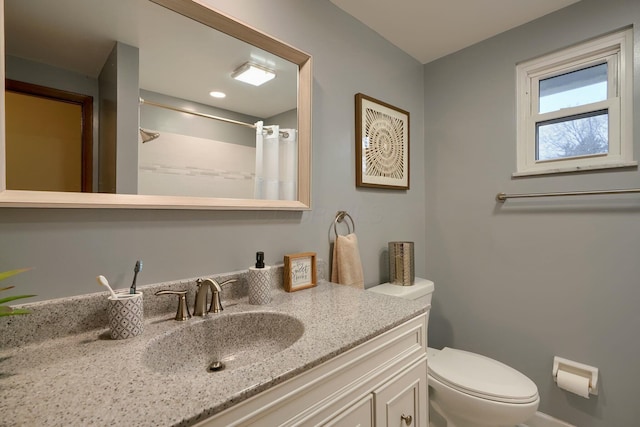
(217,94)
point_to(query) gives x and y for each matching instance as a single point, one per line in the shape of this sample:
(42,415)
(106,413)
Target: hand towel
(346,266)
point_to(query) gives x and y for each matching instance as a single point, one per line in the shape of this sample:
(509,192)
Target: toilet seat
(481,376)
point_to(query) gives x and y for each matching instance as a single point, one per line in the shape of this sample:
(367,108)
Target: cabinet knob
(407,419)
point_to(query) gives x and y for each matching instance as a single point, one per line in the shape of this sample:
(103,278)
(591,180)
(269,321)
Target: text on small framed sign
(300,271)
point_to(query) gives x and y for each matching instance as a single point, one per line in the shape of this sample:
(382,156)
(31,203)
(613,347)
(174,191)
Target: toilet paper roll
(574,383)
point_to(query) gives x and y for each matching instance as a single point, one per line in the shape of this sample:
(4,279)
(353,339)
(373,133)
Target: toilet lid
(481,376)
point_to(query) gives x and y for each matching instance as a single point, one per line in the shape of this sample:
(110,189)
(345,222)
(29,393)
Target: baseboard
(543,420)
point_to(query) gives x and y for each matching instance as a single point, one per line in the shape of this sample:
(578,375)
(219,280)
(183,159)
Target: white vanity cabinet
(381,382)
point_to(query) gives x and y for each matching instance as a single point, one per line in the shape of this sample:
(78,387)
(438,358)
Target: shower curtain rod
(209,116)
(502,197)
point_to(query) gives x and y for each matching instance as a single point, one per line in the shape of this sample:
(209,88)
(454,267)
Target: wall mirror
(138,76)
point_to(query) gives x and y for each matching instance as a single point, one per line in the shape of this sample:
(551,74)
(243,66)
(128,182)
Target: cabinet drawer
(359,414)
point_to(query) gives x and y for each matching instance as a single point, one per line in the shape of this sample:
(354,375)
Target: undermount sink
(223,341)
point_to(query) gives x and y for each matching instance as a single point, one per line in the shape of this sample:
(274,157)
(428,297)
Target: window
(575,108)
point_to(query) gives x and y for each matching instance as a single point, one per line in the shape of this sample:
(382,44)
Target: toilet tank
(421,290)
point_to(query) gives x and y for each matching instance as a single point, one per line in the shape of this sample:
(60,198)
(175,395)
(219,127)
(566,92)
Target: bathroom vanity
(381,382)
(353,356)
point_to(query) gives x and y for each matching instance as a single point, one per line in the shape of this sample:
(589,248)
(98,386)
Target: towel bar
(502,197)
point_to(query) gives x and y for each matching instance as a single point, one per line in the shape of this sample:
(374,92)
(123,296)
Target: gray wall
(128,122)
(527,280)
(108,141)
(68,248)
(119,122)
(163,120)
(286,120)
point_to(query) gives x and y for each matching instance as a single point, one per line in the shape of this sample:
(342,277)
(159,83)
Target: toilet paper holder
(576,368)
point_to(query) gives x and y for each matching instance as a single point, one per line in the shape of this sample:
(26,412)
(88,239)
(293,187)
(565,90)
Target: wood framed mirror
(127,172)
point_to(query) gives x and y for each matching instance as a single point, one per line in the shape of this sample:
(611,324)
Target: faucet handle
(182,303)
(228,282)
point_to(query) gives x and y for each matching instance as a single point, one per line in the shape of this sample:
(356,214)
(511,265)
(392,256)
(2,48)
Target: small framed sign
(300,271)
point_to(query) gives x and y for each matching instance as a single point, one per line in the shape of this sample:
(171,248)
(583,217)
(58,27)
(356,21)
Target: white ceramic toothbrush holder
(259,285)
(126,315)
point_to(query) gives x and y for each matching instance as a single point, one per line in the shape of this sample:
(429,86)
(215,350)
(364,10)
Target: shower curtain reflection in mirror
(276,163)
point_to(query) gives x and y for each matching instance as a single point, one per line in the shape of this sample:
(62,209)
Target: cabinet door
(403,401)
(360,414)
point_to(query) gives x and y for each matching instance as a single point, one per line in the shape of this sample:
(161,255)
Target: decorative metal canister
(401,263)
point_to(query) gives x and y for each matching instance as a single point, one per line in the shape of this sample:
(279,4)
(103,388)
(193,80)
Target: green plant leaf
(6,310)
(7,274)
(13,312)
(13,298)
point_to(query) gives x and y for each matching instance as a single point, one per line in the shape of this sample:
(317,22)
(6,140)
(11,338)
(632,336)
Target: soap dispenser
(259,282)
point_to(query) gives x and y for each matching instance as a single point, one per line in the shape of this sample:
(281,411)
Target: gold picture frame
(300,271)
(382,144)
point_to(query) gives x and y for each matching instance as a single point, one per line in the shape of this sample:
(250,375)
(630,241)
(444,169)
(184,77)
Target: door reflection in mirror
(47,145)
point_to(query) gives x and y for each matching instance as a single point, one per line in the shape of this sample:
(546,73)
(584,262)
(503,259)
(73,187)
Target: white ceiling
(430,29)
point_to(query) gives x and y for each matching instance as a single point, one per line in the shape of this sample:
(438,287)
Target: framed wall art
(300,271)
(382,144)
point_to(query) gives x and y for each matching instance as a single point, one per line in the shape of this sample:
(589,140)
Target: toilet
(467,389)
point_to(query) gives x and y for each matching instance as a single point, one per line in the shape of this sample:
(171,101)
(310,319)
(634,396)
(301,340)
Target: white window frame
(616,50)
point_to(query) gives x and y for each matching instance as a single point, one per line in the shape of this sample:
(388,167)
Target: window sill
(570,169)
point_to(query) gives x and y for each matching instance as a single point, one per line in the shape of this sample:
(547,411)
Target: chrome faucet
(200,307)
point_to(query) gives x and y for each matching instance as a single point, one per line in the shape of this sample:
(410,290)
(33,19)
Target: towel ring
(340,217)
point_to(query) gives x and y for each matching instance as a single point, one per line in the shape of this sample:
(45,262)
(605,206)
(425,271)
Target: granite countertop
(88,379)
